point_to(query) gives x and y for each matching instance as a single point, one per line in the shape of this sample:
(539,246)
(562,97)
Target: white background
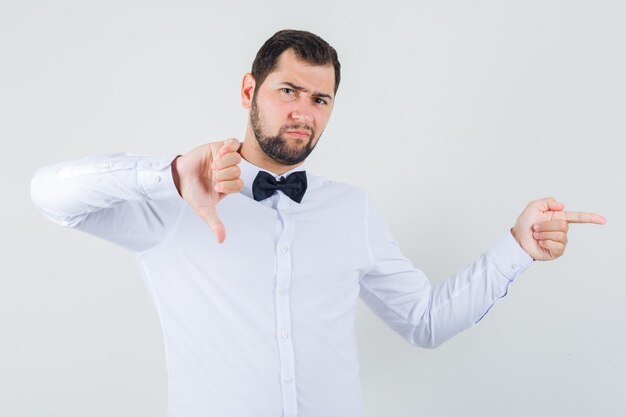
(453,115)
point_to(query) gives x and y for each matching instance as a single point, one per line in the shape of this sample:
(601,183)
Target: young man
(257,310)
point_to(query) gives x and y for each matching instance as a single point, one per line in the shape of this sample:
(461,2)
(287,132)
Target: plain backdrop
(453,115)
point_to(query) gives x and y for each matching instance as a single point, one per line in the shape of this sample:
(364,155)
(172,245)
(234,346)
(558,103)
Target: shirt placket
(283,310)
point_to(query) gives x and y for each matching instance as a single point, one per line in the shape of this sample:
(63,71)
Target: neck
(251,152)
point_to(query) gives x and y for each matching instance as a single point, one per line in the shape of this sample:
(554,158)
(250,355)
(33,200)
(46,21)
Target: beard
(277,147)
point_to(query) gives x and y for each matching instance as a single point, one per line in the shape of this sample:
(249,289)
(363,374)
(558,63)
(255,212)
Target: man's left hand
(541,229)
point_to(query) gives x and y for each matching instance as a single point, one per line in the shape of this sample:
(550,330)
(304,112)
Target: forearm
(113,196)
(426,315)
(462,300)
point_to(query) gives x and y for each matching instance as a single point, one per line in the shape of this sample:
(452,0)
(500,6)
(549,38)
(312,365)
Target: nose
(302,113)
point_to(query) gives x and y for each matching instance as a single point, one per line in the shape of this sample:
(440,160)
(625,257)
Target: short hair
(307,47)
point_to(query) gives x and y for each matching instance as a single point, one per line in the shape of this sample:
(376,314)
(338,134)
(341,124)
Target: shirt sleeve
(425,315)
(127,199)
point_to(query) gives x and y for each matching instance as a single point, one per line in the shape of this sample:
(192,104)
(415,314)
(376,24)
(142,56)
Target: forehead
(289,68)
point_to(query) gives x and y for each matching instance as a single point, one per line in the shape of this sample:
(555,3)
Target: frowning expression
(291,108)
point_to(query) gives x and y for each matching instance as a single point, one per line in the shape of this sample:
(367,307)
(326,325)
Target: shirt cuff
(509,257)
(155,177)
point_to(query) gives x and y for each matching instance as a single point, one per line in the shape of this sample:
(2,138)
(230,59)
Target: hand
(541,229)
(205,175)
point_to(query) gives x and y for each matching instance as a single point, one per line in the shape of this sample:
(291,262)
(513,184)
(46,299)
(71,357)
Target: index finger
(578,217)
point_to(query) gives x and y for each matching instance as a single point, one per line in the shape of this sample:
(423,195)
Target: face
(290,110)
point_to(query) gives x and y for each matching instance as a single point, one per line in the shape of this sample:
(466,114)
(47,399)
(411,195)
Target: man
(259,321)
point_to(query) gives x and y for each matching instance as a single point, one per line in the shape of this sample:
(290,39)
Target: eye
(321,101)
(287,90)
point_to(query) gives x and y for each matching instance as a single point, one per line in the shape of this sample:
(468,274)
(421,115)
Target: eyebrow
(304,90)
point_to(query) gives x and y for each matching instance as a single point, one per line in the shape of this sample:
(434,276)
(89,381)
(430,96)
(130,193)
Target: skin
(290,99)
(541,229)
(295,95)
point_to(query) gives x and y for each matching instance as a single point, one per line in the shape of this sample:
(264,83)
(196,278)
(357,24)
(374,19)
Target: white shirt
(263,324)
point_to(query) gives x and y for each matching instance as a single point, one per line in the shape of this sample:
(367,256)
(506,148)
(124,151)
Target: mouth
(299,133)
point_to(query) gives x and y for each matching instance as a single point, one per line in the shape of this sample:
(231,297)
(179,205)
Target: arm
(133,200)
(426,315)
(129,200)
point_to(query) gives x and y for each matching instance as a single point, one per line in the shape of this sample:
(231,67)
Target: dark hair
(306,45)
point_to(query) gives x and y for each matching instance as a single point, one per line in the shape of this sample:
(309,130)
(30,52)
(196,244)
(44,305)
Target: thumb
(554,205)
(550,204)
(209,215)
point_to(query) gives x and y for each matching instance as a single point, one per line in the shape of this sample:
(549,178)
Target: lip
(299,133)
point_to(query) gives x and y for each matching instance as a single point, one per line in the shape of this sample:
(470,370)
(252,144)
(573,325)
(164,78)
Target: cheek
(268,115)
(275,113)
(321,119)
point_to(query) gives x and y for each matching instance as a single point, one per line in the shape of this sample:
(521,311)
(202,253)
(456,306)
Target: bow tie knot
(293,186)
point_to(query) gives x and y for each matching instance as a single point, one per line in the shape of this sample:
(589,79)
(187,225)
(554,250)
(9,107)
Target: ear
(247,90)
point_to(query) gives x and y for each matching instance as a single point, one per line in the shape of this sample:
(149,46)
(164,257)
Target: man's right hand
(205,175)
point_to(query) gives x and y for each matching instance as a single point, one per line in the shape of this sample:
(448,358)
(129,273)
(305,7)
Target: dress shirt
(263,324)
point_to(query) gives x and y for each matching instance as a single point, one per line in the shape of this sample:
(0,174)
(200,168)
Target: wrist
(175,175)
(516,237)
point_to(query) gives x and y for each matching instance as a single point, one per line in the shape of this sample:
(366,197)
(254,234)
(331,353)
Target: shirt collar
(249,172)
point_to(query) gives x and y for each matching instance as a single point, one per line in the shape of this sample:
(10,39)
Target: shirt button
(284,249)
(513,266)
(282,291)
(287,380)
(285,335)
(157,179)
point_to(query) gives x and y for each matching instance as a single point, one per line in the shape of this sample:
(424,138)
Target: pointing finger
(578,217)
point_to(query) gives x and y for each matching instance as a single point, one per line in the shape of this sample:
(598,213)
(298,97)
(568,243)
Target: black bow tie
(293,186)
